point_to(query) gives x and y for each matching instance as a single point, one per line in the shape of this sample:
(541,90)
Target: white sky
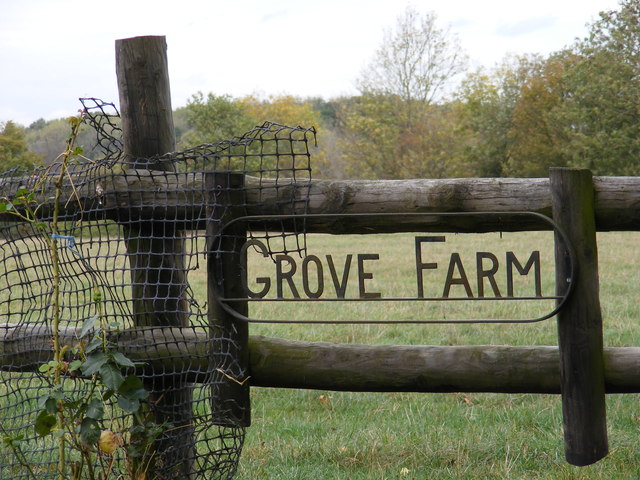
(54,51)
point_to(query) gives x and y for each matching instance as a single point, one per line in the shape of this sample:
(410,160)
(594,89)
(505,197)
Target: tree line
(420,113)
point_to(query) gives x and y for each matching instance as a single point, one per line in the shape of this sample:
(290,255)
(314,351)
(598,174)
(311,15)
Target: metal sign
(497,277)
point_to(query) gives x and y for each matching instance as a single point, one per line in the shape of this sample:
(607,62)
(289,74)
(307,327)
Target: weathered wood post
(230,354)
(580,321)
(156,248)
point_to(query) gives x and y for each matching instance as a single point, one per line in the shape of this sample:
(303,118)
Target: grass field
(331,435)
(300,434)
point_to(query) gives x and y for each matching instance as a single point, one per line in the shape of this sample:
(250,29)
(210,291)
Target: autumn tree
(215,118)
(369,137)
(580,107)
(212,119)
(48,139)
(600,115)
(293,111)
(488,101)
(14,152)
(415,62)
(536,139)
(386,127)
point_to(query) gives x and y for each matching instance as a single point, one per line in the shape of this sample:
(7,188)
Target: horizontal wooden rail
(148,195)
(339,367)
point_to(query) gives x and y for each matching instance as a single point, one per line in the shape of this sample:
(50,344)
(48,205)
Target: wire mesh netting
(121,257)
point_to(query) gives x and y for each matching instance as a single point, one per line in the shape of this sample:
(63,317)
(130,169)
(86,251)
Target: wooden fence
(579,368)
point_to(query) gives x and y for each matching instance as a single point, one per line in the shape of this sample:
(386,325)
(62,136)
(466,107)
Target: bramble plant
(77,419)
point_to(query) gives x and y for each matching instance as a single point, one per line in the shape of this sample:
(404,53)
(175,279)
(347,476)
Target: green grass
(298,434)
(342,435)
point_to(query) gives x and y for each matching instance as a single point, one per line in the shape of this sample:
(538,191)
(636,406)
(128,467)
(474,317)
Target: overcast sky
(54,51)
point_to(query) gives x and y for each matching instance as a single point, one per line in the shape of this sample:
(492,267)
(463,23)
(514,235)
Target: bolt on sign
(405,278)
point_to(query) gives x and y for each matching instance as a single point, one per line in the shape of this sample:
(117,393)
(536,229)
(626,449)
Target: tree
(285,109)
(14,152)
(395,127)
(580,107)
(292,111)
(218,118)
(416,62)
(48,139)
(600,115)
(214,119)
(535,139)
(369,137)
(487,106)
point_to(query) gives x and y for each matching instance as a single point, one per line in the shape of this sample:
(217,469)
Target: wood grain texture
(231,405)
(141,194)
(156,249)
(283,363)
(580,320)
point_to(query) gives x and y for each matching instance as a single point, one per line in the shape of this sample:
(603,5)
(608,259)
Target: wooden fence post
(580,321)
(155,248)
(230,336)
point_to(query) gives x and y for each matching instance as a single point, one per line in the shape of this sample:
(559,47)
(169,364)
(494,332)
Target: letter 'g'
(266,281)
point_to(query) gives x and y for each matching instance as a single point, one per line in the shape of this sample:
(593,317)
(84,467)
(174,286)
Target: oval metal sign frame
(569,256)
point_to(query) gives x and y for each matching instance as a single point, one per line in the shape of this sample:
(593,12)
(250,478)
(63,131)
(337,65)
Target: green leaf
(75,365)
(57,393)
(94,344)
(12,442)
(107,395)
(130,383)
(128,405)
(111,376)
(44,368)
(73,404)
(88,325)
(42,402)
(133,389)
(77,151)
(136,450)
(51,405)
(45,423)
(95,409)
(89,431)
(121,360)
(94,363)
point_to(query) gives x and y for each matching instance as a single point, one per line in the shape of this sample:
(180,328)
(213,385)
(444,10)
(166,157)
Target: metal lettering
(341,287)
(455,262)
(489,274)
(288,276)
(319,276)
(534,260)
(266,281)
(420,265)
(362,275)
